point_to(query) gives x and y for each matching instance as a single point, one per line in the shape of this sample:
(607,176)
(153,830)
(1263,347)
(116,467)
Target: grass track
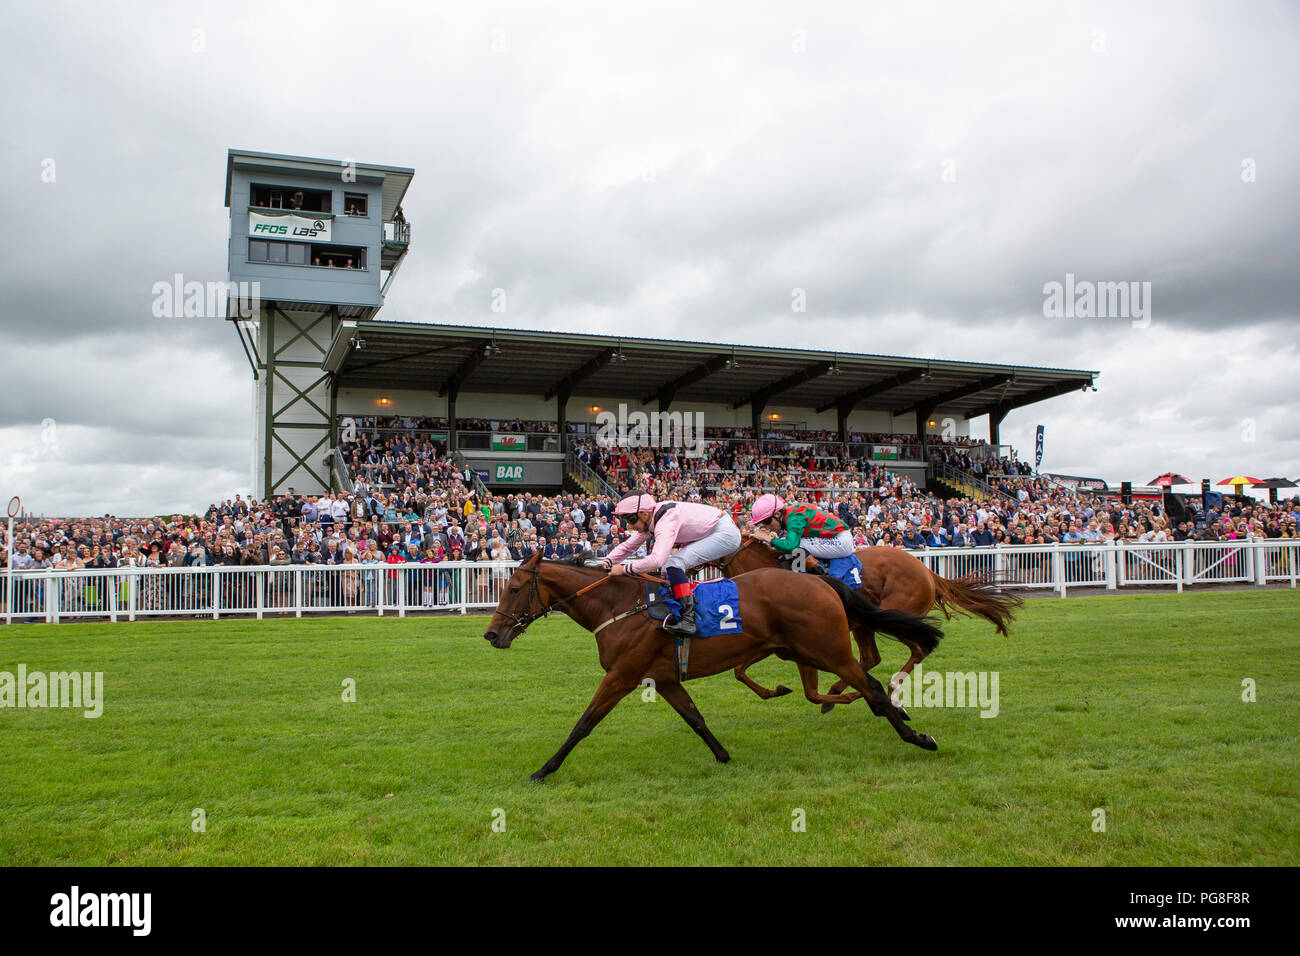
(1131,703)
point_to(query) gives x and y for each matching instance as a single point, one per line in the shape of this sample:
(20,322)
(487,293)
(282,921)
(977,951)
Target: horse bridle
(522,621)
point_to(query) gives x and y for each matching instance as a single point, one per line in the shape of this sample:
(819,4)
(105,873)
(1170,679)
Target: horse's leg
(841,661)
(676,695)
(918,655)
(809,677)
(877,698)
(613,688)
(742,675)
(869,655)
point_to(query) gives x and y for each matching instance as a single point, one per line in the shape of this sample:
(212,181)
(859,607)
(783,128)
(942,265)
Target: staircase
(579,473)
(943,489)
(476,483)
(955,483)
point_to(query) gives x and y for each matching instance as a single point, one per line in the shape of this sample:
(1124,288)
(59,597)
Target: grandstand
(563,382)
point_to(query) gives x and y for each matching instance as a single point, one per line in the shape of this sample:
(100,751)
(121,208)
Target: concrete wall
(364,401)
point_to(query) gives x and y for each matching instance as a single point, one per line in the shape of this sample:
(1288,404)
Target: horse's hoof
(827,708)
(724,757)
(537,777)
(926,742)
(781,690)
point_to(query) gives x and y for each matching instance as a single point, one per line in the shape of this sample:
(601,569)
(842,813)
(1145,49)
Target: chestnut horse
(801,618)
(894,580)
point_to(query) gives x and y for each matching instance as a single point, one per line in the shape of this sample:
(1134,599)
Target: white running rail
(129,594)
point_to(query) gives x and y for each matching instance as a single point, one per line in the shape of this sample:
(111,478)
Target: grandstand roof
(444,358)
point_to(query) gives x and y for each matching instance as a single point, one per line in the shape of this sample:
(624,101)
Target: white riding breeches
(716,545)
(840,546)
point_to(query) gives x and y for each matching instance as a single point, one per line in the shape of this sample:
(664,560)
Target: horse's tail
(921,631)
(976,594)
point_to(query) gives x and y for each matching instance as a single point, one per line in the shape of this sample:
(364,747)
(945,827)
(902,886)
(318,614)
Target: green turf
(1130,703)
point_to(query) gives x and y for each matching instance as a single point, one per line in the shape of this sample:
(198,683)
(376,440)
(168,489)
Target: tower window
(339,257)
(290,197)
(354,204)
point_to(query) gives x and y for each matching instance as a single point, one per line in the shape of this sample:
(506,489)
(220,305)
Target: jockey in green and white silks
(790,527)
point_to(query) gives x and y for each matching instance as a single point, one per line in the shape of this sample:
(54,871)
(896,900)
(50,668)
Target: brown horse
(801,618)
(894,580)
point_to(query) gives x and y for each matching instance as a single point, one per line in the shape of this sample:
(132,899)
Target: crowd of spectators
(410,503)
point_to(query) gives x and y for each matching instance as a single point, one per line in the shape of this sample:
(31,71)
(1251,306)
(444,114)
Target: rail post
(401,590)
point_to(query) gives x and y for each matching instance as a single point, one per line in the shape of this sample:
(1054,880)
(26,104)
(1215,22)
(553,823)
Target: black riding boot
(685,622)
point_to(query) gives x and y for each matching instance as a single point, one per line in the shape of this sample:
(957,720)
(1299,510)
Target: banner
(509,442)
(886,452)
(1038,449)
(1074,482)
(510,471)
(289,225)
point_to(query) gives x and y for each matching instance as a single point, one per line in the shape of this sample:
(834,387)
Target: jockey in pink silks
(700,534)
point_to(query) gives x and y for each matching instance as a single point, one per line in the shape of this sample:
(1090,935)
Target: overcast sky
(921,170)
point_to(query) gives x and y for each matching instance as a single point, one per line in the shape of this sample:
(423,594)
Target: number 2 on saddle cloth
(717,611)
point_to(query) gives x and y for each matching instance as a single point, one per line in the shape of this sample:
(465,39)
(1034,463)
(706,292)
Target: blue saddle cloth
(717,607)
(848,570)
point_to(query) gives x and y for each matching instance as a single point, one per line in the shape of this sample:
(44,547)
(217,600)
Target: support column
(334,432)
(452,443)
(842,412)
(995,424)
(756,419)
(922,430)
(268,395)
(562,400)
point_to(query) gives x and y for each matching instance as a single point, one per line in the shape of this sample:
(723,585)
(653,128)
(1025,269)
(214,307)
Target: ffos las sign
(508,472)
(290,226)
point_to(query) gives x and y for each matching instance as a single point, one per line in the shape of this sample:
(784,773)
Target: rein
(522,621)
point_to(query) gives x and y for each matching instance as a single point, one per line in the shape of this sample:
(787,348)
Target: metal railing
(464,586)
(532,441)
(584,474)
(475,482)
(395,231)
(876,452)
(341,472)
(951,474)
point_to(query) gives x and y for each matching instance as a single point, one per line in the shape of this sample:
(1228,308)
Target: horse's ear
(532,560)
